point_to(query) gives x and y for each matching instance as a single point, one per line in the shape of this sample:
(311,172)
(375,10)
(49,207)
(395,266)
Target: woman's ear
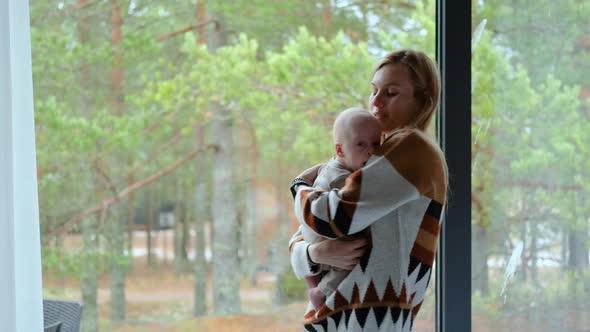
(338,148)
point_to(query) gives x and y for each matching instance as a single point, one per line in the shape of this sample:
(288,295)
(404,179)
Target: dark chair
(55,327)
(66,314)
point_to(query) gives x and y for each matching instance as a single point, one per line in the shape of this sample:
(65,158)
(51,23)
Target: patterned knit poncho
(399,195)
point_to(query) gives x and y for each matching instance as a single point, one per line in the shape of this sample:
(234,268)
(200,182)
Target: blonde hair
(426,82)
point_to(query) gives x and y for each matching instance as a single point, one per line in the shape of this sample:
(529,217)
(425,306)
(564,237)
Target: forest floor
(157,300)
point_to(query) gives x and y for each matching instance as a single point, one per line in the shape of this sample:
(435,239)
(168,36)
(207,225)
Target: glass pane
(530,129)
(167,136)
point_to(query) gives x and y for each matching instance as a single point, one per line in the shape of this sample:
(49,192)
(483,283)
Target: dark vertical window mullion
(453,44)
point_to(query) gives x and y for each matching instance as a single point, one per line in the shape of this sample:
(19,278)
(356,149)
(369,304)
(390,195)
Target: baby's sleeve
(299,261)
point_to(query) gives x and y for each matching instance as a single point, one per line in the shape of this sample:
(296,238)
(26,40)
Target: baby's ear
(338,149)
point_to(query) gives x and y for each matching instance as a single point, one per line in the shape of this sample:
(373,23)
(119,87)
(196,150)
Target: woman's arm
(305,257)
(343,254)
(399,172)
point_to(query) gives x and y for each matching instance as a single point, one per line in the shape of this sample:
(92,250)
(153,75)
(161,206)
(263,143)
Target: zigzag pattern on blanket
(393,308)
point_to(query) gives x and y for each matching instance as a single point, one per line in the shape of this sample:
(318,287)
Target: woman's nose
(377,101)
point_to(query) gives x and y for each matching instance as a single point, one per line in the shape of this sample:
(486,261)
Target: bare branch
(108,181)
(102,206)
(184,30)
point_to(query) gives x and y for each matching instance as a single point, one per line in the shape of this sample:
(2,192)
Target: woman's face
(392,99)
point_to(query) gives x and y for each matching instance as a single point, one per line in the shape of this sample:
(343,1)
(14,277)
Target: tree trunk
(226,281)
(480,244)
(130,216)
(280,258)
(327,14)
(578,259)
(178,222)
(564,247)
(149,220)
(202,211)
(578,250)
(89,274)
(89,229)
(59,247)
(242,234)
(226,286)
(523,275)
(185,238)
(117,262)
(202,205)
(201,18)
(247,199)
(116,93)
(480,252)
(177,243)
(251,204)
(533,252)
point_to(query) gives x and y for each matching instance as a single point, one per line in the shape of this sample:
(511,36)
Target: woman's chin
(386,125)
(379,118)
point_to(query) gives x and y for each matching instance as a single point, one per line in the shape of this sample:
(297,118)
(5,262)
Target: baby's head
(356,134)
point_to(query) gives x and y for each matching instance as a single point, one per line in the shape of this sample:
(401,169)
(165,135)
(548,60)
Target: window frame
(20,244)
(453,276)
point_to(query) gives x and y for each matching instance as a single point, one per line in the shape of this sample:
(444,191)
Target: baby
(356,134)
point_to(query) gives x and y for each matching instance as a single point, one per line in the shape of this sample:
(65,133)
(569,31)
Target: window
(142,218)
(129,111)
(530,225)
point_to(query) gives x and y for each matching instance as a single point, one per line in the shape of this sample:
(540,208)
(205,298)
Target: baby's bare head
(356,134)
(353,120)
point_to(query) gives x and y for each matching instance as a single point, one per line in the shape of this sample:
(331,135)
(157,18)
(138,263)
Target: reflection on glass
(530,131)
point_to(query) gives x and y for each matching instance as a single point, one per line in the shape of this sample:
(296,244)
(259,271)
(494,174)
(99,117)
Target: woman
(399,195)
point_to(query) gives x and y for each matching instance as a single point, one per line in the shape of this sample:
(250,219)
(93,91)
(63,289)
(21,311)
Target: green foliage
(122,262)
(292,288)
(288,69)
(67,263)
(525,120)
(286,75)
(417,30)
(487,306)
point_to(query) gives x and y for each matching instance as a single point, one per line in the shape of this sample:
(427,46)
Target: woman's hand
(343,254)
(310,174)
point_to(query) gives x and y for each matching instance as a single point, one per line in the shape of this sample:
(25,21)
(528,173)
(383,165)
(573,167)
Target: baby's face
(358,145)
